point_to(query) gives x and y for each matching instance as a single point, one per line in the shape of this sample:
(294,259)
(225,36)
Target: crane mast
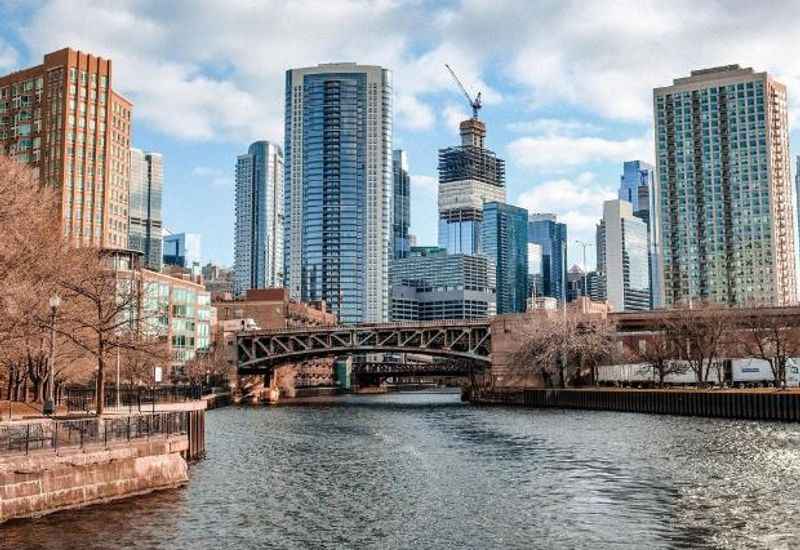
(474,103)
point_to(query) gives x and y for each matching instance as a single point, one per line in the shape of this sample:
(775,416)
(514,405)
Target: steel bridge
(393,369)
(259,351)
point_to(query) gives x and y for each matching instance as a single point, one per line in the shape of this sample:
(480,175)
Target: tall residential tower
(339,188)
(64,119)
(146,187)
(258,236)
(724,189)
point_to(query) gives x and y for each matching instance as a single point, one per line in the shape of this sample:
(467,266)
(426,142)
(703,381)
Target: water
(425,471)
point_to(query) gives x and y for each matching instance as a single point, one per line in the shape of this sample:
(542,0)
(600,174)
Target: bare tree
(658,352)
(207,366)
(559,346)
(698,335)
(109,313)
(762,333)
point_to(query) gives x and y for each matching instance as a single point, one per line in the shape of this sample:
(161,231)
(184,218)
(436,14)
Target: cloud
(8,56)
(453,115)
(426,184)
(554,152)
(412,114)
(214,176)
(577,201)
(550,126)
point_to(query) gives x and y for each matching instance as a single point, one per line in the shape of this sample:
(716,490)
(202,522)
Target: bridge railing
(371,326)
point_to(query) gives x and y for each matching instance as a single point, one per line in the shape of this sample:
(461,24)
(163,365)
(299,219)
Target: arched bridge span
(262,350)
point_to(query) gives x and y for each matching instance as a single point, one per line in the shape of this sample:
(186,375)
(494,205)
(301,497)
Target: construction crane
(474,103)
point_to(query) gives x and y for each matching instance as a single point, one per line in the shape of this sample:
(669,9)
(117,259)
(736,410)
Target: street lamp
(584,245)
(49,404)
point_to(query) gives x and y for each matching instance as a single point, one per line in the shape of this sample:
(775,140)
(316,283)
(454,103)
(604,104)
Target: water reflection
(404,471)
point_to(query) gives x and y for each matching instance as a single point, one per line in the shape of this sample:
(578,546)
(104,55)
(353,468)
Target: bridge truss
(260,351)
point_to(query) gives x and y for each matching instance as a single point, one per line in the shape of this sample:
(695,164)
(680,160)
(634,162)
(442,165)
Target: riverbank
(759,404)
(48,465)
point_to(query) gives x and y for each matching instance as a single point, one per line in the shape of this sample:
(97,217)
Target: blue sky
(567,86)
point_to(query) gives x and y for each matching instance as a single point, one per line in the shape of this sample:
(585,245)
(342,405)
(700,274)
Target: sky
(567,86)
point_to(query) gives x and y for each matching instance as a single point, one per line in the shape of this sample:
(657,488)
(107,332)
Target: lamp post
(584,245)
(49,403)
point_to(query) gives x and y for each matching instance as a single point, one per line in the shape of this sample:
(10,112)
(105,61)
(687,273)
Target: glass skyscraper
(637,185)
(144,206)
(182,250)
(724,189)
(544,230)
(402,204)
(504,240)
(623,257)
(469,176)
(258,238)
(339,205)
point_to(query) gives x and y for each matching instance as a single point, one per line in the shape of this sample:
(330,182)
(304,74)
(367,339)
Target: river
(426,471)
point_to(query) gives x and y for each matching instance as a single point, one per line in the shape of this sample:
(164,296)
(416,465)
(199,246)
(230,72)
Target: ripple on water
(425,471)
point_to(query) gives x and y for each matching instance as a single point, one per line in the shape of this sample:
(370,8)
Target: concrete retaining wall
(756,405)
(43,483)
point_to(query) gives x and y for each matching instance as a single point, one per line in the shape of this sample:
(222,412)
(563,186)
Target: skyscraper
(724,195)
(339,188)
(183,250)
(258,240)
(504,240)
(144,206)
(64,120)
(402,206)
(544,230)
(622,259)
(637,185)
(469,176)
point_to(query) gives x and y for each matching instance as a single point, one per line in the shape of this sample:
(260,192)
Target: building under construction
(469,176)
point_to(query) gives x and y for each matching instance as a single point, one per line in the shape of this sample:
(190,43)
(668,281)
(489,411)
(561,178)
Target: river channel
(426,471)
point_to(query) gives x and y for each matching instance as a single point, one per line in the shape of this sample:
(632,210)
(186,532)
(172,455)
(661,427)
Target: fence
(63,434)
(133,397)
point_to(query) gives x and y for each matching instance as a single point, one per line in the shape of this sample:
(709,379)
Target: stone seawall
(45,482)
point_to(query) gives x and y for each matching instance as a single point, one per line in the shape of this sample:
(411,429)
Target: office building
(259,229)
(182,250)
(724,190)
(551,236)
(580,283)
(469,176)
(504,240)
(637,185)
(401,240)
(64,120)
(430,284)
(338,155)
(144,207)
(622,259)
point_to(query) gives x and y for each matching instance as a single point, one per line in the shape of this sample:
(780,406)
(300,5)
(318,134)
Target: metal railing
(18,438)
(132,397)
